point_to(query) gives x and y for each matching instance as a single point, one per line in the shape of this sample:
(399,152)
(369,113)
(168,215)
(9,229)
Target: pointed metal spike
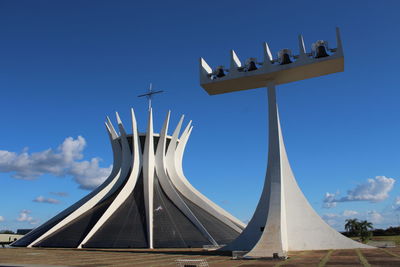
(267,54)
(235,61)
(302,49)
(204,67)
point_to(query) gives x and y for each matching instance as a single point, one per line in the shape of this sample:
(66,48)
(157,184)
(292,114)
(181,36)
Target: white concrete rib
(111,128)
(128,187)
(116,152)
(168,188)
(148,178)
(128,163)
(174,168)
(126,158)
(94,197)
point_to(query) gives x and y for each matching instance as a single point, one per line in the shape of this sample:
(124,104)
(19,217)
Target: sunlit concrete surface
(146,201)
(166,257)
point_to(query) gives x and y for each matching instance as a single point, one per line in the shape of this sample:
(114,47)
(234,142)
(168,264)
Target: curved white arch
(101,194)
(126,158)
(128,187)
(148,177)
(87,202)
(116,149)
(168,188)
(174,168)
(127,165)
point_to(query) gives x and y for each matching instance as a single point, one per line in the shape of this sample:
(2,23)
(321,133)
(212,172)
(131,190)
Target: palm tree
(351,227)
(364,228)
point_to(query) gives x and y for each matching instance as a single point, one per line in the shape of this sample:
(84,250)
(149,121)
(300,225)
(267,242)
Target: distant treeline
(388,231)
(18,232)
(380,232)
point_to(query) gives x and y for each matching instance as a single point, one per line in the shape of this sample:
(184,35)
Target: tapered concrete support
(148,174)
(274,232)
(284,220)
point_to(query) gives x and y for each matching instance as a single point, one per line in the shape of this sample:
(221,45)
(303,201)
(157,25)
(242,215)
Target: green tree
(351,227)
(358,228)
(364,230)
(6,232)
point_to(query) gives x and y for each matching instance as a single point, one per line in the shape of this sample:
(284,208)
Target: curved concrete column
(128,187)
(94,197)
(169,189)
(148,177)
(126,158)
(131,164)
(182,184)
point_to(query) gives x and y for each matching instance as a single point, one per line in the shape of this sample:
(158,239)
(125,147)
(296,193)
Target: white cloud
(375,217)
(396,204)
(60,194)
(338,220)
(65,160)
(349,213)
(41,199)
(331,215)
(374,190)
(88,174)
(329,200)
(2,219)
(332,219)
(25,217)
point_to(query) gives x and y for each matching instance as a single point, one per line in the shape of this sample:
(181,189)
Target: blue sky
(65,65)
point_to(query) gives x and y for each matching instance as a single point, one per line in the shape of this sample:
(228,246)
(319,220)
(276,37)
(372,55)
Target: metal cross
(150,94)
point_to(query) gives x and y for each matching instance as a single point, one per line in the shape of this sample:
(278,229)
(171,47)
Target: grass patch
(395,238)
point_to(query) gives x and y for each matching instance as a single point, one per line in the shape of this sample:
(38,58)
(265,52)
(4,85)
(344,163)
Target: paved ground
(163,257)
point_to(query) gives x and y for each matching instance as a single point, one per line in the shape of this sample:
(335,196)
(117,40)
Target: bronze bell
(251,66)
(284,56)
(219,72)
(285,59)
(320,49)
(321,52)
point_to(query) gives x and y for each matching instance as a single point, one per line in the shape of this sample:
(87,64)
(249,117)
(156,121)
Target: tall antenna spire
(150,94)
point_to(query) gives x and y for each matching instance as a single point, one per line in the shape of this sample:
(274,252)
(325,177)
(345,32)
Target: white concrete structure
(284,220)
(146,201)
